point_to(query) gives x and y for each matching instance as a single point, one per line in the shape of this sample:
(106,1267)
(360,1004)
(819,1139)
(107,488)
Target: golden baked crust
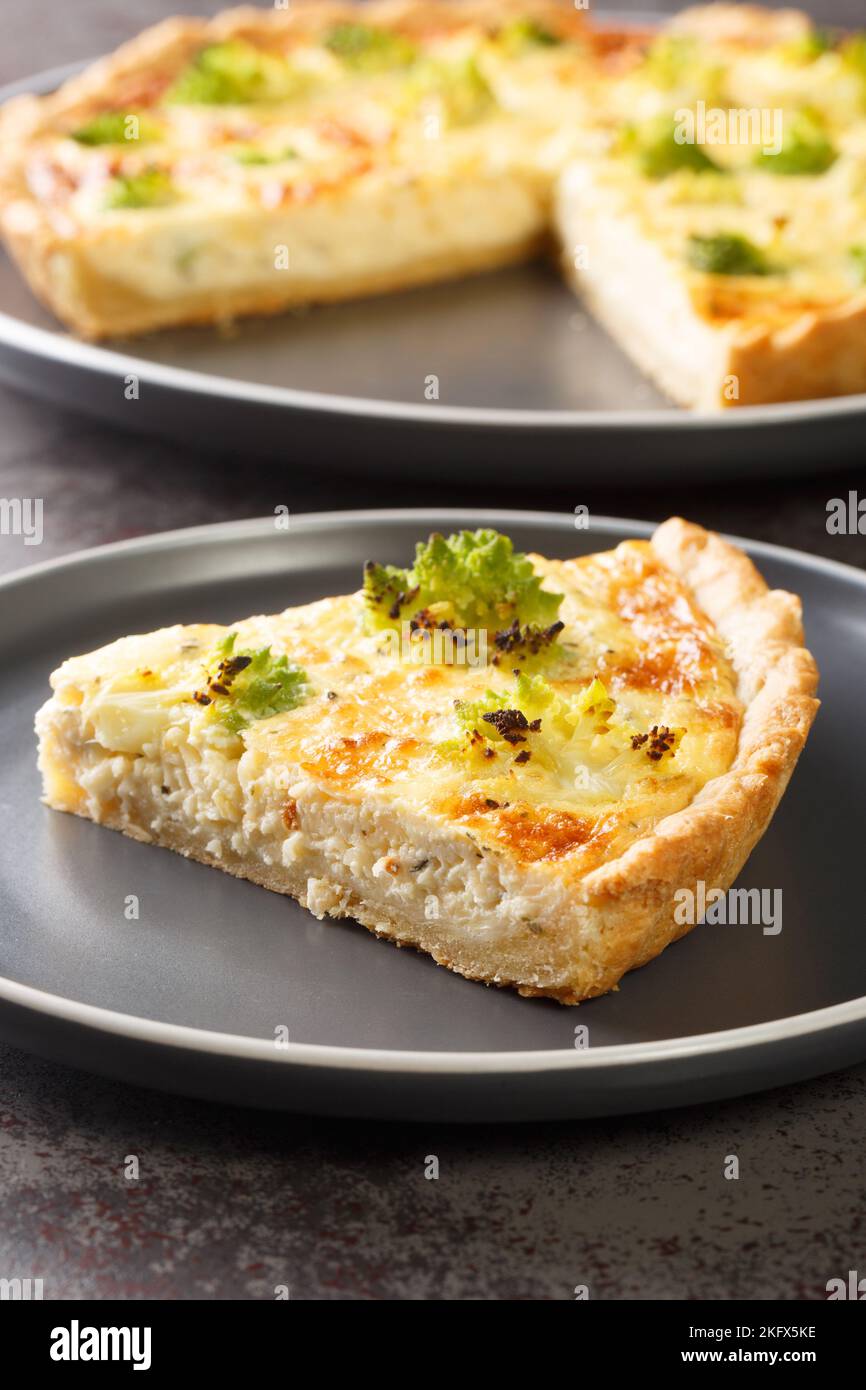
(539,885)
(817,354)
(777,679)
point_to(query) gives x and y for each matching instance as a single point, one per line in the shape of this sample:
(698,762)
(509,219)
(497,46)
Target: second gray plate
(191,995)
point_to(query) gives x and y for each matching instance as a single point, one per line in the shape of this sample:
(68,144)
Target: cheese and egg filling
(604,702)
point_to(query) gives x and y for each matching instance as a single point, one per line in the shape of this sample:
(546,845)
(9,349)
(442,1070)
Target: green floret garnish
(117,128)
(251,685)
(471,714)
(807,48)
(806,148)
(473,579)
(857,260)
(531,720)
(669,59)
(368,49)
(561,716)
(522,34)
(728,253)
(152,188)
(458,87)
(704,186)
(250,155)
(235,73)
(852,51)
(483,576)
(678,61)
(657,152)
(534,723)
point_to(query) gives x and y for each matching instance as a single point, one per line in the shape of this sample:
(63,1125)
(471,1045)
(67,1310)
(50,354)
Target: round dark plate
(189,996)
(526,378)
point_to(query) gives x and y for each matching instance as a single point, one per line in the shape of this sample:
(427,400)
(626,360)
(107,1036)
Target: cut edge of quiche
(527,819)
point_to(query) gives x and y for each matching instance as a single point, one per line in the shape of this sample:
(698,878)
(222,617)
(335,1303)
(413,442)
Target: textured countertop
(231,1203)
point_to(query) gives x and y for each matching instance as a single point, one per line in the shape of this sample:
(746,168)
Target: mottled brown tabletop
(231,1203)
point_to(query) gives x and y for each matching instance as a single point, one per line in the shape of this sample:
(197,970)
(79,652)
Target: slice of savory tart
(511,763)
(265,159)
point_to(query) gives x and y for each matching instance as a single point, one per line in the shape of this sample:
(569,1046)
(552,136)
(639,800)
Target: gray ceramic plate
(526,379)
(189,996)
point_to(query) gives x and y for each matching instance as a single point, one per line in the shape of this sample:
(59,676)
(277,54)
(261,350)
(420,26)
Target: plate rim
(61,348)
(241,1047)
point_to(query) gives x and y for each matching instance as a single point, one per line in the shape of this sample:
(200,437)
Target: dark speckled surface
(229,1203)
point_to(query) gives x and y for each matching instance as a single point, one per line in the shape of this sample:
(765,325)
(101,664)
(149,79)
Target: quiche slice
(266,159)
(511,763)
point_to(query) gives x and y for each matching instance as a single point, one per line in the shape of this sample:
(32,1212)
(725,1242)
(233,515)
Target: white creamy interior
(636,292)
(370,231)
(330,850)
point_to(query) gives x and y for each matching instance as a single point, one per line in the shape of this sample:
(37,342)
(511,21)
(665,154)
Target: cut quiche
(272,158)
(511,763)
(705,184)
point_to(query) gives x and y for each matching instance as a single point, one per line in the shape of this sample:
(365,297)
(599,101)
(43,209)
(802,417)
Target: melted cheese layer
(385,729)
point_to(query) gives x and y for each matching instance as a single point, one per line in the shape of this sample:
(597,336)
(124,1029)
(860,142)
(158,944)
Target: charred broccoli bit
(235,73)
(657,152)
(471,580)
(251,685)
(152,188)
(489,725)
(659,741)
(116,128)
(368,49)
(512,724)
(518,643)
(806,148)
(728,253)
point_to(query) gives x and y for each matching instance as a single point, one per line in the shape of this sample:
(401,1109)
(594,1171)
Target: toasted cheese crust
(491,845)
(212,168)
